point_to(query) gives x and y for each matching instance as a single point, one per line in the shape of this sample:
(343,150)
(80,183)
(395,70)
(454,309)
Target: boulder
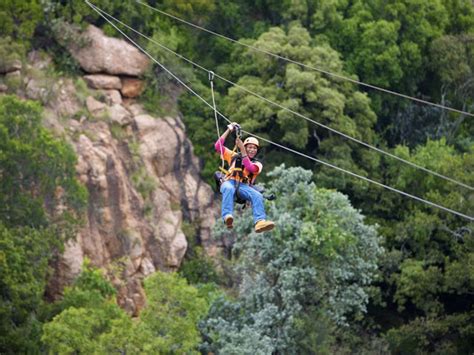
(112,97)
(36,90)
(103,81)
(94,106)
(136,109)
(147,124)
(64,100)
(102,54)
(132,87)
(120,115)
(3,88)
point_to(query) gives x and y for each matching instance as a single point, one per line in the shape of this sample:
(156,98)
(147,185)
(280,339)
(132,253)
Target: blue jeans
(247,193)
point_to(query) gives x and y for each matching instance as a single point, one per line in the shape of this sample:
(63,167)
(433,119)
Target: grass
(143,183)
(175,206)
(117,131)
(82,112)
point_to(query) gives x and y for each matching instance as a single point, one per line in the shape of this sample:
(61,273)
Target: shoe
(229,220)
(264,226)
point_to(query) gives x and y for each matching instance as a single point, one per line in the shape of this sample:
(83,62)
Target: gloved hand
(232,126)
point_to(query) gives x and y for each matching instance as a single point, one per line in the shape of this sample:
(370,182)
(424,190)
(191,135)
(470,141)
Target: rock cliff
(140,171)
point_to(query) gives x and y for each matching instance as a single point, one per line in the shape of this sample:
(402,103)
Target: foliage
(388,44)
(89,313)
(90,321)
(199,268)
(172,312)
(24,256)
(320,259)
(422,274)
(9,52)
(36,168)
(18,19)
(302,90)
(452,334)
(37,174)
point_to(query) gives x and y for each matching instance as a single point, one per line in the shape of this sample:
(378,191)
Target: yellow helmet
(251,140)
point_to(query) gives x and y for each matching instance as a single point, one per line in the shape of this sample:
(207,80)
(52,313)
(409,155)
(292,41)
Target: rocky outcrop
(97,53)
(143,182)
(140,171)
(113,65)
(140,232)
(178,171)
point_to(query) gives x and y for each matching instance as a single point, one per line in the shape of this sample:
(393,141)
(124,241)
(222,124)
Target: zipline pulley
(211,75)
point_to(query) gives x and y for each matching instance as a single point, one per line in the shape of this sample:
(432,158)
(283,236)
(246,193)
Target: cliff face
(140,171)
(138,200)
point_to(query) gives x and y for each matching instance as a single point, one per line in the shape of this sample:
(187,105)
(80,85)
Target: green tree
(37,173)
(37,170)
(18,19)
(89,313)
(317,266)
(451,334)
(453,63)
(307,92)
(378,59)
(423,282)
(24,256)
(90,321)
(461,16)
(173,311)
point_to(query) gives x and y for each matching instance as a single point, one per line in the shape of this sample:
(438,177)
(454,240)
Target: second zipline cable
(414,165)
(335,75)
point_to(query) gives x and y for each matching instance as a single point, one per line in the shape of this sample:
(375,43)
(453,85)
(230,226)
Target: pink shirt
(249,167)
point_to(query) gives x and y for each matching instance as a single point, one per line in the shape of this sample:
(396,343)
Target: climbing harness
(235,171)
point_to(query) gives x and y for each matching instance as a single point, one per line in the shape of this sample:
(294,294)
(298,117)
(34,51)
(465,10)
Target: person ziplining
(238,183)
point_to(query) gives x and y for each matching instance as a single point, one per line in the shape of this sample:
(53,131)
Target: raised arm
(219,145)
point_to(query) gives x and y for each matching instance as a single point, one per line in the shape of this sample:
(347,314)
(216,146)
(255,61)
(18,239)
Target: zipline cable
(290,110)
(470,218)
(339,76)
(221,150)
